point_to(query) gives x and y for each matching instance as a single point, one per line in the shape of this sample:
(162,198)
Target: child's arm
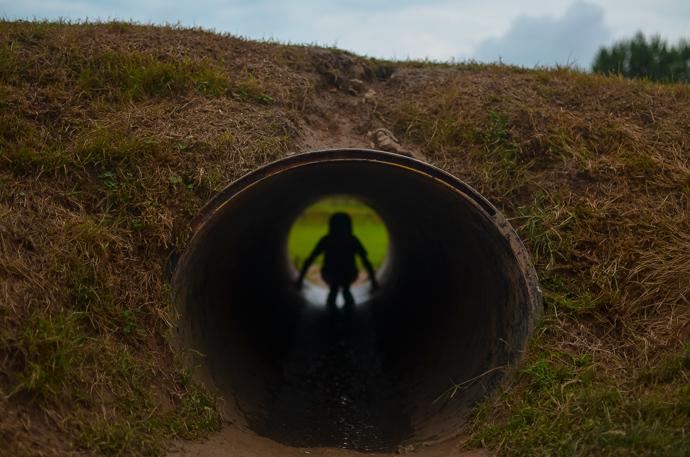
(370,270)
(307,263)
(367,265)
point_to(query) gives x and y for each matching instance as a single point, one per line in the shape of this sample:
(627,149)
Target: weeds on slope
(562,406)
(592,172)
(106,151)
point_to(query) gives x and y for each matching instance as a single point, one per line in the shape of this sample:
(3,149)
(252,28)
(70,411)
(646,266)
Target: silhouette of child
(339,269)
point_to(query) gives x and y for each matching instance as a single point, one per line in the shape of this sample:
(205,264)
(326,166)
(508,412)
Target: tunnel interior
(458,297)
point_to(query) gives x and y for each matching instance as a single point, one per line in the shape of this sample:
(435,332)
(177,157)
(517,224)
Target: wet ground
(335,392)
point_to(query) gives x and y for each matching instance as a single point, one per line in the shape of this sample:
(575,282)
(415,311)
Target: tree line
(650,58)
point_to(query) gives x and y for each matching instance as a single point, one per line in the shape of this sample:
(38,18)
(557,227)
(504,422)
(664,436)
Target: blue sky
(527,32)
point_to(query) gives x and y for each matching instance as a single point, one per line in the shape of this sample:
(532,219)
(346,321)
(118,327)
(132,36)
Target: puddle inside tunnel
(335,391)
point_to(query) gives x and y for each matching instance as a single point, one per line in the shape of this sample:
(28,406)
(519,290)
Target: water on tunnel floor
(335,391)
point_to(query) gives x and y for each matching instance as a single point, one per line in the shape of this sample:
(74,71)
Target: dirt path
(232,442)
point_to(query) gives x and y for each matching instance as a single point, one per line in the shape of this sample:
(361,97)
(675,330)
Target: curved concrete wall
(458,297)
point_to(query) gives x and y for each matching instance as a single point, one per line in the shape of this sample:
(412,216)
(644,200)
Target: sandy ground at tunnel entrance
(233,442)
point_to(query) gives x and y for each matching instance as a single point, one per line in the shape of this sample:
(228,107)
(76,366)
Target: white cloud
(437,29)
(669,18)
(574,38)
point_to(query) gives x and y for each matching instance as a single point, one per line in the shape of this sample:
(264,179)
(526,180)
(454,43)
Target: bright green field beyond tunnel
(312,224)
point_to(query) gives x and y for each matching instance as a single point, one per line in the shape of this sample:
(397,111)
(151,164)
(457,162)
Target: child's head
(340,224)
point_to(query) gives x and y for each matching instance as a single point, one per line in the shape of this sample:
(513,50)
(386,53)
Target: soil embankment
(113,136)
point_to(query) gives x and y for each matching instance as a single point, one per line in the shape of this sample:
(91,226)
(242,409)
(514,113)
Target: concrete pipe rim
(214,220)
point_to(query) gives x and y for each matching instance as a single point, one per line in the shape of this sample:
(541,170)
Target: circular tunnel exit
(313,224)
(457,300)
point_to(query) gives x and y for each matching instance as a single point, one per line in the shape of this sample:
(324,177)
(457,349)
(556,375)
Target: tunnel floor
(335,391)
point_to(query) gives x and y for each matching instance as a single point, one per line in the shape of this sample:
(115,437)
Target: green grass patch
(52,356)
(135,431)
(60,366)
(312,224)
(567,404)
(566,409)
(138,75)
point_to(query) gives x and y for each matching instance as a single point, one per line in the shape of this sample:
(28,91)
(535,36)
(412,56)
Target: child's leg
(333,284)
(332,295)
(347,295)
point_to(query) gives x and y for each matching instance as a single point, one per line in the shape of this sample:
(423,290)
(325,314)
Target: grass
(570,160)
(86,211)
(57,361)
(312,224)
(565,405)
(111,141)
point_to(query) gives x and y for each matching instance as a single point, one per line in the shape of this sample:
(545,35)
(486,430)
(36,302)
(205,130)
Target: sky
(524,32)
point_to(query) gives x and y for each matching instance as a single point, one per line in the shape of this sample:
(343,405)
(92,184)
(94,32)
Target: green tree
(640,57)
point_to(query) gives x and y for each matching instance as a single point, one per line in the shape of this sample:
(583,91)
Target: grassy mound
(113,135)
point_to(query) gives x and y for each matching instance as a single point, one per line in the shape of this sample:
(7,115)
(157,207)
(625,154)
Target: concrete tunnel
(458,298)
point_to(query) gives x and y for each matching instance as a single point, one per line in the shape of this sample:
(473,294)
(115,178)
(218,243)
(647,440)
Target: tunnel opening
(313,223)
(458,297)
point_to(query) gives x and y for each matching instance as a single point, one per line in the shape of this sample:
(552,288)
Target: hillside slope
(112,136)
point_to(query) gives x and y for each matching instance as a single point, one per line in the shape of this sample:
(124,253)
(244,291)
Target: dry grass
(113,135)
(593,172)
(100,175)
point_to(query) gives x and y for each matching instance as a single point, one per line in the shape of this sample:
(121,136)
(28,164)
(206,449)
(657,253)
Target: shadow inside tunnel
(335,391)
